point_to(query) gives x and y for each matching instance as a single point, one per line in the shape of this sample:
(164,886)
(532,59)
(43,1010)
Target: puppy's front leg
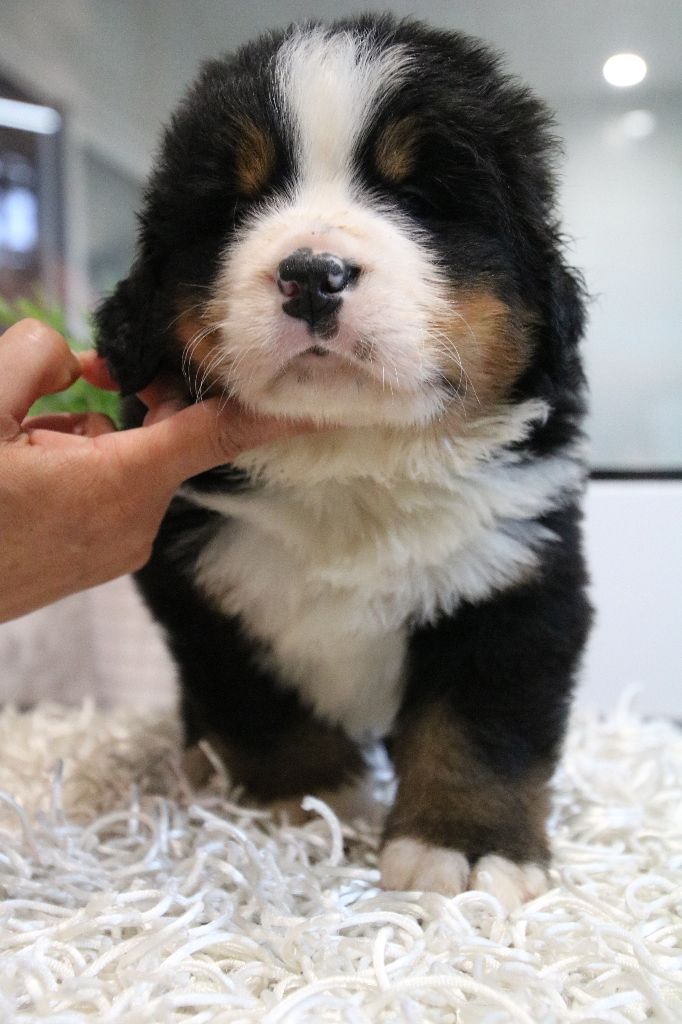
(485,711)
(459,824)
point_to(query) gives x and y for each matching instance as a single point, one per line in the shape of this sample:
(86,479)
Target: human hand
(81,503)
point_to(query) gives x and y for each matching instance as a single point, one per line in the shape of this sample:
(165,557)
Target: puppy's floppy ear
(563,326)
(567,302)
(128,334)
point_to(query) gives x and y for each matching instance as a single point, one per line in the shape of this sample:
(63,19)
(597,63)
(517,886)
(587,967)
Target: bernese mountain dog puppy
(355,223)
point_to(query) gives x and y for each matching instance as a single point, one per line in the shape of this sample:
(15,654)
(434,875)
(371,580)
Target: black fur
(483,191)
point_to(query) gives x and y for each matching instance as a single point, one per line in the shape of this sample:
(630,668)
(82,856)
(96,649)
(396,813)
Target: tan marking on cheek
(255,158)
(199,354)
(483,346)
(396,150)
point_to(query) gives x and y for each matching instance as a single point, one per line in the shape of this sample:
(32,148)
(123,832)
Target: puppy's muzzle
(313,283)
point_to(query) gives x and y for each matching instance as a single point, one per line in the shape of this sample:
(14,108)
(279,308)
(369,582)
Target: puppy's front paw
(411,864)
(407,863)
(512,884)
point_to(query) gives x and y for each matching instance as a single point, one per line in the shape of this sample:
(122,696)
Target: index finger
(35,360)
(195,439)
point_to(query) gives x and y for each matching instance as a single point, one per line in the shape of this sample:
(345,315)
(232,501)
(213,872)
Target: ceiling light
(29,117)
(624,69)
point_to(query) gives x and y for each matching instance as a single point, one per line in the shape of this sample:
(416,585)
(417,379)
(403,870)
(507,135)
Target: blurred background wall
(111,73)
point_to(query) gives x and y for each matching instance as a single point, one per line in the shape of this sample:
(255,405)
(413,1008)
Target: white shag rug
(126,898)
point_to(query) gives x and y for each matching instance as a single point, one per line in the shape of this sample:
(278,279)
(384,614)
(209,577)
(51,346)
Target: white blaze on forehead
(330,84)
(329,87)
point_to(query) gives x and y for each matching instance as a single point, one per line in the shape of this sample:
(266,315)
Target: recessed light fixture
(29,117)
(624,69)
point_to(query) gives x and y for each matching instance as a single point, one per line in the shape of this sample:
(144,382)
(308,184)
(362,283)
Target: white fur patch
(512,884)
(413,865)
(330,85)
(329,571)
(320,636)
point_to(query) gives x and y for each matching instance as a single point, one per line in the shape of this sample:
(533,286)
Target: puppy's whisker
(233,364)
(443,384)
(445,344)
(210,365)
(185,311)
(193,286)
(191,347)
(202,368)
(448,351)
(473,337)
(224,399)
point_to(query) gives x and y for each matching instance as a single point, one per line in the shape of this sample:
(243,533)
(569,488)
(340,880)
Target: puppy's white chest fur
(295,567)
(329,573)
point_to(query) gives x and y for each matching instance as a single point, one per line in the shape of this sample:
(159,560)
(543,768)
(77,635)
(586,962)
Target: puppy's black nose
(312,283)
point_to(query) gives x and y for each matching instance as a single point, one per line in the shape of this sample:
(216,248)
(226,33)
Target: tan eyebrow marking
(255,158)
(396,150)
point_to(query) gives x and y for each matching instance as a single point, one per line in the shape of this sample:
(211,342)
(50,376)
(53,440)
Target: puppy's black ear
(128,334)
(557,374)
(567,303)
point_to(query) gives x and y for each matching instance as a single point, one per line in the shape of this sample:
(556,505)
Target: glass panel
(622,201)
(111,201)
(31,235)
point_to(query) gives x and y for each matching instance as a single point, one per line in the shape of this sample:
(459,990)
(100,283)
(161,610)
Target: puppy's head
(352,223)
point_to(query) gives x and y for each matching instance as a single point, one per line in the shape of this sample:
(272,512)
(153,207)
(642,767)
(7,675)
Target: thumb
(198,438)
(34,361)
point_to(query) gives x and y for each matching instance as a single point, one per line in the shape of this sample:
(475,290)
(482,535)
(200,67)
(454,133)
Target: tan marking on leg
(456,824)
(449,797)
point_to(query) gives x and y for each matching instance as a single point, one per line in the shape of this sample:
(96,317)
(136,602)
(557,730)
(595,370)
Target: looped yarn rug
(126,898)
